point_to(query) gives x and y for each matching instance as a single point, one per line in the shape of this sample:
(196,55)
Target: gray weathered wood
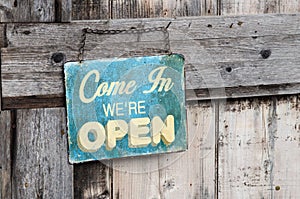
(259,148)
(27,10)
(40,167)
(286,140)
(119,9)
(35,10)
(88,9)
(245,146)
(188,174)
(289,6)
(228,52)
(5,154)
(92,180)
(234,7)
(191,174)
(63,10)
(136,177)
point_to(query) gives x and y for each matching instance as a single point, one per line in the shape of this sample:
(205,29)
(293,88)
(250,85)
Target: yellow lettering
(138,131)
(116,130)
(165,130)
(98,132)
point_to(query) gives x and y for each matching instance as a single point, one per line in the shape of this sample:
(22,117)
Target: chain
(166,49)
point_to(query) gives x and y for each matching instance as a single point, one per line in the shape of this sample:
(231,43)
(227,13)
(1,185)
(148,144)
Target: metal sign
(125,107)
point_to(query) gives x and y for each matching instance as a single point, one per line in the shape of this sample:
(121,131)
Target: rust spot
(240,23)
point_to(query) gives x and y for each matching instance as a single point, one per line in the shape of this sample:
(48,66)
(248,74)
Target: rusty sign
(125,107)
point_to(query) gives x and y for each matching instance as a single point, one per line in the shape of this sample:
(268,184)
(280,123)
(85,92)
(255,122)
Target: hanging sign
(125,107)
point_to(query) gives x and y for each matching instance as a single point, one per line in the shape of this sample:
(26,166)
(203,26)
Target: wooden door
(238,148)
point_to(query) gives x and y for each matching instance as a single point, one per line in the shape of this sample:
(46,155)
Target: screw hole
(277,188)
(58,58)
(228,69)
(265,53)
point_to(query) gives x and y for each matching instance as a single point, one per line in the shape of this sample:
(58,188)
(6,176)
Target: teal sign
(125,107)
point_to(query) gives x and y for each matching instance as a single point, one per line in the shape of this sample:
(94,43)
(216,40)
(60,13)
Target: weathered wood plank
(229,52)
(2,35)
(191,174)
(119,9)
(285,133)
(89,10)
(136,177)
(189,8)
(27,11)
(63,10)
(289,6)
(40,167)
(246,152)
(235,7)
(188,174)
(92,180)
(5,154)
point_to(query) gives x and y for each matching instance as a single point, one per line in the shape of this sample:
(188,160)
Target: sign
(125,107)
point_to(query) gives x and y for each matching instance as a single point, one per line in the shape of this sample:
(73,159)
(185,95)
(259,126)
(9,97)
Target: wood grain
(289,6)
(188,174)
(27,11)
(92,180)
(40,167)
(228,52)
(245,149)
(285,133)
(235,7)
(63,10)
(136,177)
(121,9)
(191,174)
(5,154)
(259,146)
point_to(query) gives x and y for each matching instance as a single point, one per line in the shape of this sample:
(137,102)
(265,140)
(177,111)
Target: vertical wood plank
(40,167)
(91,180)
(191,174)
(290,6)
(235,7)
(136,177)
(5,140)
(27,11)
(89,9)
(118,9)
(188,174)
(5,155)
(190,8)
(286,135)
(245,149)
(63,10)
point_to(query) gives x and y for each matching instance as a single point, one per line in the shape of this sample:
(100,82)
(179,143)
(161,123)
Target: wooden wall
(243,148)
